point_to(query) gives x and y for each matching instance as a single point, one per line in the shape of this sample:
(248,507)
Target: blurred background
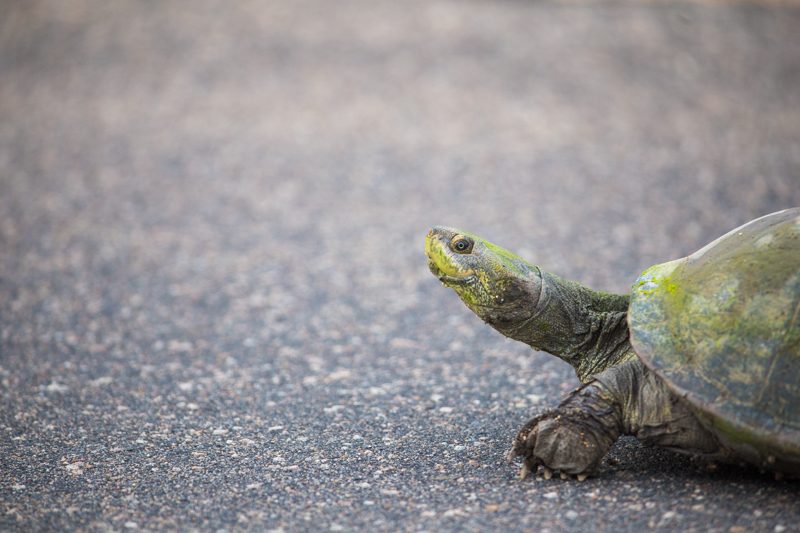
(215,310)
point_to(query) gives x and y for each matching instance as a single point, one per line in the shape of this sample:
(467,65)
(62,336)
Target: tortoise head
(498,286)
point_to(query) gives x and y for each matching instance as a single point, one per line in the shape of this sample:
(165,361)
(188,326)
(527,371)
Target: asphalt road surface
(215,311)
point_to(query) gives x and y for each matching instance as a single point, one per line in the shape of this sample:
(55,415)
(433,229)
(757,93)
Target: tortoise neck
(586,328)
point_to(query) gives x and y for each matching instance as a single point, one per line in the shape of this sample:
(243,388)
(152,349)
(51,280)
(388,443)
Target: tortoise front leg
(572,438)
(626,399)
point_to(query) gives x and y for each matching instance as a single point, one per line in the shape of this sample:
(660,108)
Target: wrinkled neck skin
(588,329)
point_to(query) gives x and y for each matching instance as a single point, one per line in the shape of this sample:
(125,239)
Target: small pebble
(56,387)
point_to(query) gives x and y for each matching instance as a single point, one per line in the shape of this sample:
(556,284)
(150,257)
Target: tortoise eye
(461,244)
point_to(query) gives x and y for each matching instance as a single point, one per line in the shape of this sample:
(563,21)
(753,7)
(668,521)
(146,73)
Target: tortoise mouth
(448,279)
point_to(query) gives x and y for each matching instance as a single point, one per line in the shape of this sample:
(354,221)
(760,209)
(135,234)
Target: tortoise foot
(555,443)
(570,440)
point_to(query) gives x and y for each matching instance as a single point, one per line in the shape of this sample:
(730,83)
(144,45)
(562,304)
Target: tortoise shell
(722,328)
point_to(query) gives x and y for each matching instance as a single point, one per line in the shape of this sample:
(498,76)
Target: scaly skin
(587,329)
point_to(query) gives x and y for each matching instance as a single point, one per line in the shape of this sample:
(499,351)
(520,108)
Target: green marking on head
(584,327)
(488,278)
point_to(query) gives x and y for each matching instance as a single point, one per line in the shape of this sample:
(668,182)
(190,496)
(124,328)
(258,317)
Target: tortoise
(702,357)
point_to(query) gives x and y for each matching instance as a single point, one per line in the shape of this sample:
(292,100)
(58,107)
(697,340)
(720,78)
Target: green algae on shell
(721,328)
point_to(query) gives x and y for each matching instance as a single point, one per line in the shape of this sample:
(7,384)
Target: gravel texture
(215,311)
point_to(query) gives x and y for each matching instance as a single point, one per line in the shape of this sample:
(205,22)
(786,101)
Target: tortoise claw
(547,473)
(511,454)
(525,470)
(582,477)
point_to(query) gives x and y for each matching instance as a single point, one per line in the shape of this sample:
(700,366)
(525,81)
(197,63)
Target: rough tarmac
(215,311)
